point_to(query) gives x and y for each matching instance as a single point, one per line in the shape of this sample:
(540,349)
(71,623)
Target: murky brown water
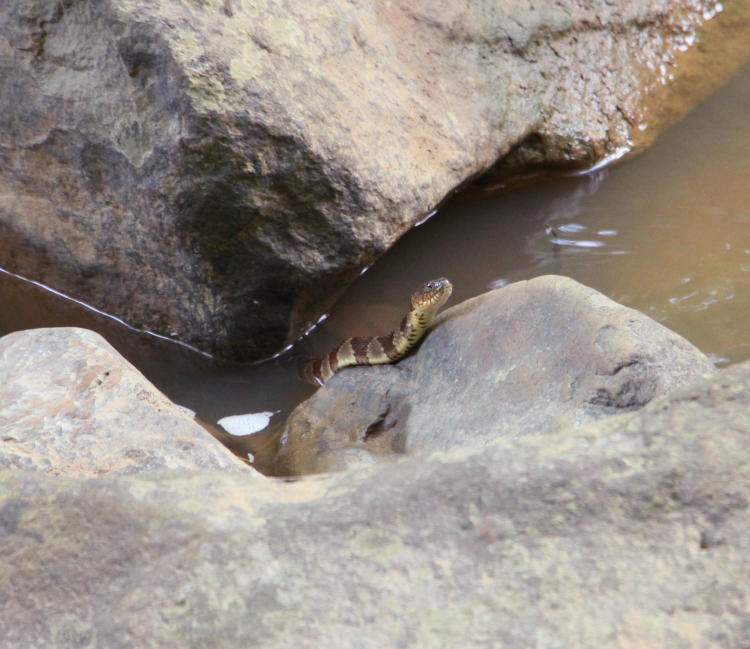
(667,233)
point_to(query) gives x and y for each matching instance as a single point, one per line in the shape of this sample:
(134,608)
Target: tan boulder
(530,358)
(71,405)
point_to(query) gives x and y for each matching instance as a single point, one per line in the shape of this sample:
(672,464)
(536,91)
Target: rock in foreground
(629,532)
(71,405)
(531,358)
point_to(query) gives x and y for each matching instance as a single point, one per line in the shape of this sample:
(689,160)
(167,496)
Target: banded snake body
(377,350)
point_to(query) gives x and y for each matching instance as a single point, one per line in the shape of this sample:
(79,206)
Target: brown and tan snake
(377,350)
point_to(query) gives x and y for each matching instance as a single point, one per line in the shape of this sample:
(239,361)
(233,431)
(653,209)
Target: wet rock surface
(71,405)
(531,358)
(630,531)
(219,171)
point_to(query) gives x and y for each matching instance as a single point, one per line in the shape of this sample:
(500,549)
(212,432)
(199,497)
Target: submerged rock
(531,358)
(631,531)
(71,405)
(218,171)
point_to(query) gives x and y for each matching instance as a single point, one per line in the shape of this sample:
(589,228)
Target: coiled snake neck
(371,350)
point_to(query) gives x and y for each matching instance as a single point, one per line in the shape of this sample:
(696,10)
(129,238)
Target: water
(667,232)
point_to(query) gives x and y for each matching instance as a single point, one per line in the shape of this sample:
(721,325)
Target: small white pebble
(240,425)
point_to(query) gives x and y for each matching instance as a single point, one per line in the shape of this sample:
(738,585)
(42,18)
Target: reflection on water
(45,290)
(667,233)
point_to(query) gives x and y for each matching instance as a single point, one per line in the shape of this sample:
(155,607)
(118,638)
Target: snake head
(432,295)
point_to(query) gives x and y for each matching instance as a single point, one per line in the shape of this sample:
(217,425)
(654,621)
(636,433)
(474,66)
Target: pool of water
(666,232)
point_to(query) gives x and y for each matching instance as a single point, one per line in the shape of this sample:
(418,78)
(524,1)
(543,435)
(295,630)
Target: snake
(426,301)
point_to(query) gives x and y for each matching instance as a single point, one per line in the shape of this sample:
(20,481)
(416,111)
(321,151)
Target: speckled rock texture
(219,171)
(629,532)
(527,359)
(71,405)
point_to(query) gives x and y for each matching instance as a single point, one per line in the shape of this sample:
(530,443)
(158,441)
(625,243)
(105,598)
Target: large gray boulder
(219,171)
(631,531)
(530,358)
(71,405)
